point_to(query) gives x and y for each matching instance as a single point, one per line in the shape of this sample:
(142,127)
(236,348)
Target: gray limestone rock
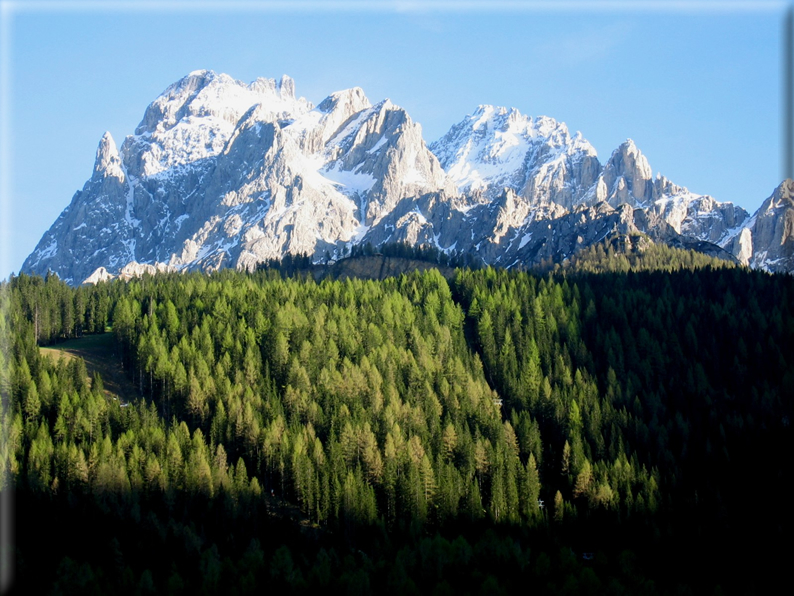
(627,178)
(772,231)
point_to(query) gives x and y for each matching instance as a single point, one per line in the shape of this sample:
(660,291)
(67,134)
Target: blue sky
(698,86)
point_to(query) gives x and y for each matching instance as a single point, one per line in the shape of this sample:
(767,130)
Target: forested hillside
(502,431)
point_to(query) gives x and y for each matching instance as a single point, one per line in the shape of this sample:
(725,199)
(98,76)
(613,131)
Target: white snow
(730,234)
(178,221)
(381,142)
(49,251)
(349,182)
(131,221)
(210,119)
(353,126)
(496,147)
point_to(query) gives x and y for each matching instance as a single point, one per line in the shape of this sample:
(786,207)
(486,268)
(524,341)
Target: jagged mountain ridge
(220,173)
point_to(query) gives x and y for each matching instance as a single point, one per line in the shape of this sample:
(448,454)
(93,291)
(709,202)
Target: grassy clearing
(101,355)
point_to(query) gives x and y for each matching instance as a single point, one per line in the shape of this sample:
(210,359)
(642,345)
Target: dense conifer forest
(612,427)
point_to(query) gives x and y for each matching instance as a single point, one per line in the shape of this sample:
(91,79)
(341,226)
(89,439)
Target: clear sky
(697,85)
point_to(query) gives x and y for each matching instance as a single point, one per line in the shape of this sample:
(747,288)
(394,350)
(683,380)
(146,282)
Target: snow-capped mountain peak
(221,173)
(496,148)
(193,119)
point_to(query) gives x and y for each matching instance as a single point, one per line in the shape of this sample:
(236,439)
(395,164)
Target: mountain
(220,173)
(769,235)
(496,148)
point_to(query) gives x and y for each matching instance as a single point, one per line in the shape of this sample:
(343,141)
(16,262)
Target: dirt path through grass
(100,355)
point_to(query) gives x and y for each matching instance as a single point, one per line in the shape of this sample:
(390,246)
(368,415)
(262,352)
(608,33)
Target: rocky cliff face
(768,240)
(225,174)
(627,178)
